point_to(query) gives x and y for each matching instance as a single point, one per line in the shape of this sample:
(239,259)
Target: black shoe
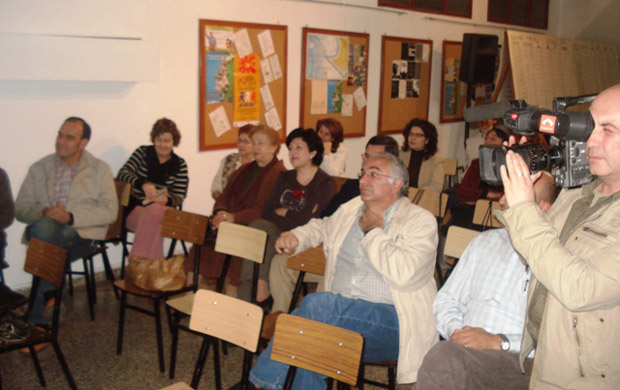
(239,386)
(266,305)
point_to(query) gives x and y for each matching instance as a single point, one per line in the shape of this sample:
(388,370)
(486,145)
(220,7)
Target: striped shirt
(355,277)
(144,167)
(487,289)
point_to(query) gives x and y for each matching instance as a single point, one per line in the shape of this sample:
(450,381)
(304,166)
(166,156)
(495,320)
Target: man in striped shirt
(67,199)
(480,311)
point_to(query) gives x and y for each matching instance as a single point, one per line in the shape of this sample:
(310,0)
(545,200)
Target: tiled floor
(90,350)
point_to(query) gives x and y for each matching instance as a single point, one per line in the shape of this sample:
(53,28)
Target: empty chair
(44,261)
(457,240)
(483,214)
(225,318)
(178,225)
(318,347)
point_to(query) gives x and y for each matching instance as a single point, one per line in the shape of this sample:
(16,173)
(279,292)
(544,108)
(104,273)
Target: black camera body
(566,159)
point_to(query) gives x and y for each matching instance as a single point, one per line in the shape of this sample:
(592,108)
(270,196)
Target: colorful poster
(334,96)
(357,65)
(219,38)
(219,74)
(246,102)
(327,57)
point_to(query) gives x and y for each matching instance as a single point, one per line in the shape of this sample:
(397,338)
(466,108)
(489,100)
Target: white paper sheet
(266,43)
(347,105)
(276,71)
(272,119)
(360,98)
(219,121)
(265,93)
(266,70)
(242,43)
(318,97)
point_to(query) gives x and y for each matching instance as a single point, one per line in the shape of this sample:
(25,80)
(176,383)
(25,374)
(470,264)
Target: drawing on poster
(327,57)
(357,65)
(219,77)
(334,96)
(219,38)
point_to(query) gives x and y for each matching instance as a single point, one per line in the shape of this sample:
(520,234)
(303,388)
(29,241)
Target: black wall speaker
(478,58)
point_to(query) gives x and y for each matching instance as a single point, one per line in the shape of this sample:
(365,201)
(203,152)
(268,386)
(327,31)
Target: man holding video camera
(573,315)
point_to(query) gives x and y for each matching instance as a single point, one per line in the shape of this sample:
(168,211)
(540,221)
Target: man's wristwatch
(505,344)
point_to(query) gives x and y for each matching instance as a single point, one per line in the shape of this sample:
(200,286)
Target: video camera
(566,159)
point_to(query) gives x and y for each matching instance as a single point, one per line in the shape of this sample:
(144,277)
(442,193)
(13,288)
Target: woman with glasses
(233,161)
(242,202)
(419,154)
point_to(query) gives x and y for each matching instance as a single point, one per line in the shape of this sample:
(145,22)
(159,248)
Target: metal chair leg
(202,357)
(37,365)
(63,364)
(121,323)
(175,340)
(160,337)
(89,291)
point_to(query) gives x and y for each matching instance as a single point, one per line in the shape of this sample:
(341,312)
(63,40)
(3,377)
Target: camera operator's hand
(518,184)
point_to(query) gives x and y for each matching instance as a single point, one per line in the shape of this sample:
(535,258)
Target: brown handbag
(157,275)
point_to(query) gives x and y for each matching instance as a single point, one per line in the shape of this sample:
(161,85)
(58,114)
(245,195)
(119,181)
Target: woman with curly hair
(335,155)
(419,154)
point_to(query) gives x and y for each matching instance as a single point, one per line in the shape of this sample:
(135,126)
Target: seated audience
(159,180)
(7,213)
(67,199)
(297,196)
(380,251)
(282,279)
(476,139)
(335,153)
(233,161)
(473,188)
(480,313)
(242,202)
(419,154)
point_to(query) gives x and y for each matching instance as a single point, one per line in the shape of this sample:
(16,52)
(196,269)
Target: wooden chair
(435,203)
(318,347)
(113,236)
(229,319)
(178,225)
(311,260)
(457,240)
(484,214)
(450,172)
(44,261)
(339,182)
(232,240)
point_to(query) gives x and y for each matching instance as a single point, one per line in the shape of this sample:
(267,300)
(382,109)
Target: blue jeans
(377,322)
(48,230)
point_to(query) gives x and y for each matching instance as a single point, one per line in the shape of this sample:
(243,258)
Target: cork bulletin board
(242,80)
(453,91)
(405,82)
(334,79)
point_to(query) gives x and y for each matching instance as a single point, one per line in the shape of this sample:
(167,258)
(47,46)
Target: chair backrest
(46,261)
(457,240)
(339,182)
(432,201)
(241,241)
(311,260)
(318,347)
(484,213)
(185,226)
(449,171)
(227,318)
(123,191)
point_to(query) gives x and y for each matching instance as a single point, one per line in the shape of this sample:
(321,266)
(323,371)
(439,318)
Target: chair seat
(38,336)
(178,386)
(131,288)
(182,303)
(384,363)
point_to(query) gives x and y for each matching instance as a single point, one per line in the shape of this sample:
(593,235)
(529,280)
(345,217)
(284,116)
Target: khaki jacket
(92,198)
(431,172)
(405,256)
(579,340)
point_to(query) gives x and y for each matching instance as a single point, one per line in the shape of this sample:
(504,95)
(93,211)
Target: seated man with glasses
(380,250)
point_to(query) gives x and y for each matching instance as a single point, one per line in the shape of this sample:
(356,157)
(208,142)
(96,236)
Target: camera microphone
(492,111)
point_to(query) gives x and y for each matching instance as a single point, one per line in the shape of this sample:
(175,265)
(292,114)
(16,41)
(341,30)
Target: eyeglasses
(417,135)
(372,175)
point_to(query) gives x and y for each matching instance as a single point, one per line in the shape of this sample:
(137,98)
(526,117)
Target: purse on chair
(157,275)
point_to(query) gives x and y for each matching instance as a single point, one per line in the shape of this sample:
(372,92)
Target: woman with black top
(419,154)
(159,179)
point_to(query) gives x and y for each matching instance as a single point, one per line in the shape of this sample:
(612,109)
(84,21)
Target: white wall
(121,113)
